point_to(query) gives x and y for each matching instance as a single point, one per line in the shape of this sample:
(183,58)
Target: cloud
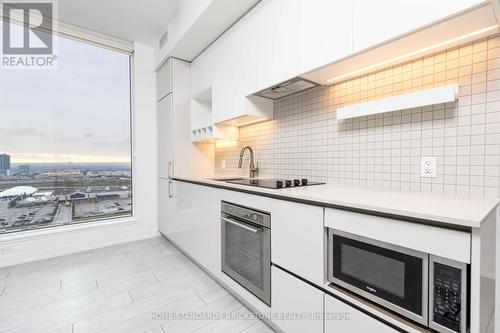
(88,135)
(25,131)
(112,143)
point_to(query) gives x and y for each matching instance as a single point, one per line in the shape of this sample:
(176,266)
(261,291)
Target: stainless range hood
(286,88)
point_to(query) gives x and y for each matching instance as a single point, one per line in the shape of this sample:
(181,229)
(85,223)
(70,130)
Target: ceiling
(143,21)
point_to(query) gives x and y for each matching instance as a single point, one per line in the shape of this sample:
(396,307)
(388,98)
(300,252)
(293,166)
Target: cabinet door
(325,32)
(164,80)
(165,137)
(166,206)
(290,295)
(379,21)
(196,227)
(298,238)
(352,320)
(272,46)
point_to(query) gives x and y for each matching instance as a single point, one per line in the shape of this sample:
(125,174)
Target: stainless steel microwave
(427,289)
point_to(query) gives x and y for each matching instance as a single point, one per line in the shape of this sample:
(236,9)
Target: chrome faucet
(254,170)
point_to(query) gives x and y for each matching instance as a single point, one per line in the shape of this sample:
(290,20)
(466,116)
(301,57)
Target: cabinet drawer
(293,296)
(164,80)
(297,239)
(341,317)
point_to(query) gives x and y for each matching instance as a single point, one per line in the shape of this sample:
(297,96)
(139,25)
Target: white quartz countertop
(423,206)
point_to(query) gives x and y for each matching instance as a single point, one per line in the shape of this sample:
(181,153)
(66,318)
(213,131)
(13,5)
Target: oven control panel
(447,302)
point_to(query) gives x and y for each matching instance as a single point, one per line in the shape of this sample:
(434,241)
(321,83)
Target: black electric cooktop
(274,183)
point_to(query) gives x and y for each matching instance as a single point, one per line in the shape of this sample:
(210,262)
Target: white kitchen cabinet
(166,205)
(164,80)
(298,238)
(195,225)
(260,50)
(165,137)
(177,155)
(291,296)
(378,21)
(270,33)
(341,317)
(325,33)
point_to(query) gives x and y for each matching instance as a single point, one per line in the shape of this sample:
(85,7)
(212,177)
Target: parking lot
(108,207)
(26,216)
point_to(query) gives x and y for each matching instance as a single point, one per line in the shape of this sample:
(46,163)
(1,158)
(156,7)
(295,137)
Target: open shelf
(202,127)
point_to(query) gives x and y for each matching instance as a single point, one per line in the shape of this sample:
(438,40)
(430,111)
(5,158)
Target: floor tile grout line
(201,298)
(199,328)
(491,320)
(57,278)
(249,327)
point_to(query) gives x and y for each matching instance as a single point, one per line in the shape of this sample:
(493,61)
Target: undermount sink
(228,179)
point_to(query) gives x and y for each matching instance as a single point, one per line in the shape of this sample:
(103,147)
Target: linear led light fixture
(444,94)
(415,53)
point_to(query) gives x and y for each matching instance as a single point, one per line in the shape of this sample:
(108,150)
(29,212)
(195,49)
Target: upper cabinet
(164,80)
(325,32)
(379,21)
(261,49)
(280,39)
(270,33)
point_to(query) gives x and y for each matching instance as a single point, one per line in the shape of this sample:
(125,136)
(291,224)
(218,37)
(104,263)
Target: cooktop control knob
(296,182)
(279,184)
(304,181)
(288,183)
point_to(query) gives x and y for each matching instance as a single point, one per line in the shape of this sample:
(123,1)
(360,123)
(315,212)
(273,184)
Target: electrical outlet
(6,250)
(223,164)
(428,168)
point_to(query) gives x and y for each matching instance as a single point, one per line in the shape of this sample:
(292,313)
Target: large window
(65,140)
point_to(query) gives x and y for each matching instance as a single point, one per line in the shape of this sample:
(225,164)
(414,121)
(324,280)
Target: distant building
(111,195)
(77,196)
(4,165)
(23,169)
(18,191)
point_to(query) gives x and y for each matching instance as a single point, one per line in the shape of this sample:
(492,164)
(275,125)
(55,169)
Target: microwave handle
(238,224)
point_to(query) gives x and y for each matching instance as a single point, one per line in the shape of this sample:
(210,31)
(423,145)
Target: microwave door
(394,277)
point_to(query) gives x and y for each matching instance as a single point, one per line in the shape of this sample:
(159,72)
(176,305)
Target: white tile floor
(125,288)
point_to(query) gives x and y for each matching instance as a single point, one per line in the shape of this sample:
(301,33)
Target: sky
(79,112)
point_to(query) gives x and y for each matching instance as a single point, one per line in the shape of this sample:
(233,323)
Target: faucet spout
(253,169)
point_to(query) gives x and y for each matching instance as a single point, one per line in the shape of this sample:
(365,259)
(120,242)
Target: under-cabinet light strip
(414,53)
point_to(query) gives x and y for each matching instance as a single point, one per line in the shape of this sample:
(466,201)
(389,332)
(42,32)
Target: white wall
(35,245)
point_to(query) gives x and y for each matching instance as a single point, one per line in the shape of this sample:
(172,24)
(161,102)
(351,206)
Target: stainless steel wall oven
(246,248)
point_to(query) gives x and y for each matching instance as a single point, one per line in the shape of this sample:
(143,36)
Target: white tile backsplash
(384,151)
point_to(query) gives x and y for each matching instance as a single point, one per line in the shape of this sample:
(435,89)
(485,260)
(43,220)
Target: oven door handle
(238,224)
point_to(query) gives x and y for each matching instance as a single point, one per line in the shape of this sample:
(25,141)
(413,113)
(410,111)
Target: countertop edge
(451,223)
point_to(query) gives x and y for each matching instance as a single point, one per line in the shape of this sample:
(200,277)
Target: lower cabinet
(341,317)
(166,205)
(189,216)
(298,238)
(295,305)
